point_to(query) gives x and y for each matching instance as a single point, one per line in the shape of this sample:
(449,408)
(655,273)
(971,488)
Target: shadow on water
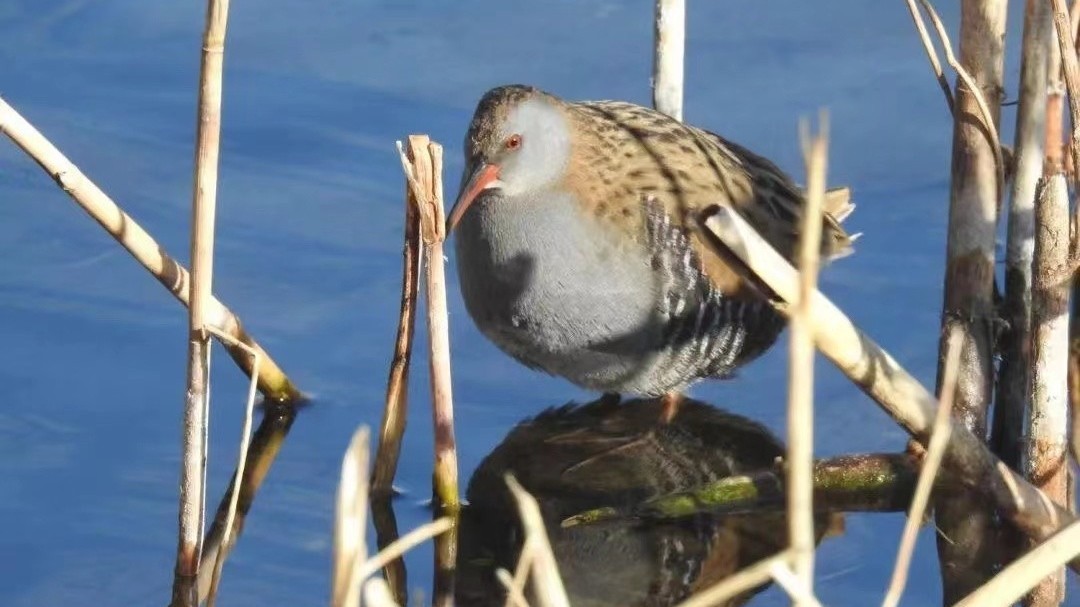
(266,443)
(575,458)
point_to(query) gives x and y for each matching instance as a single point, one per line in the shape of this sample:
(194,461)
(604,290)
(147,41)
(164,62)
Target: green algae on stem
(874,482)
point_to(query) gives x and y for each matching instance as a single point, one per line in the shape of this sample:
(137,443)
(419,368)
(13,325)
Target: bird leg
(669,406)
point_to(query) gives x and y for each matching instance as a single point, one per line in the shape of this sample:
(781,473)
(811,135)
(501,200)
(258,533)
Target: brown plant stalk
(196,402)
(273,383)
(874,371)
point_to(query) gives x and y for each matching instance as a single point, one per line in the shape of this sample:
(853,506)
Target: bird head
(518,141)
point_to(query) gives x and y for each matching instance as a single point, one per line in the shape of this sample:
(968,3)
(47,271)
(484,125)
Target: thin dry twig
(197,397)
(800,422)
(931,54)
(377,594)
(1071,68)
(1021,575)
(939,438)
(668,57)
(350,523)
(545,571)
(403,544)
(515,591)
(976,92)
(423,169)
(273,383)
(521,571)
(794,586)
(397,385)
(241,463)
(737,583)
(888,384)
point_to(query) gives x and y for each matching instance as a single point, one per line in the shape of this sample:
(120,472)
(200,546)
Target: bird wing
(641,152)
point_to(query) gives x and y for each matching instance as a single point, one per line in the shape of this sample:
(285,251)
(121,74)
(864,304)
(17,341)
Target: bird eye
(513,142)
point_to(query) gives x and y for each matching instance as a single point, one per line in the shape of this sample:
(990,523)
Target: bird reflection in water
(577,458)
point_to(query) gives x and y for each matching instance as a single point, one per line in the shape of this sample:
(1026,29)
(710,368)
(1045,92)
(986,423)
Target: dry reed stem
(273,383)
(737,583)
(1071,67)
(939,438)
(521,573)
(397,384)
(377,594)
(800,416)
(515,588)
(197,397)
(423,169)
(988,118)
(350,523)
(1018,577)
(1055,109)
(241,463)
(1046,452)
(1014,382)
(901,396)
(968,546)
(668,57)
(403,544)
(931,53)
(547,583)
(795,587)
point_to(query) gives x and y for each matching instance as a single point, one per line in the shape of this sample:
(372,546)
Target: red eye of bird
(513,142)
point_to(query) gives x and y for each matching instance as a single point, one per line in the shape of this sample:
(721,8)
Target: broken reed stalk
(876,372)
(446,468)
(423,168)
(197,397)
(939,438)
(800,416)
(1018,577)
(967,546)
(350,523)
(351,567)
(397,385)
(1046,462)
(273,383)
(241,465)
(547,583)
(1014,383)
(668,57)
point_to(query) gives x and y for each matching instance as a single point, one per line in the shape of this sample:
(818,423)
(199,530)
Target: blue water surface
(309,242)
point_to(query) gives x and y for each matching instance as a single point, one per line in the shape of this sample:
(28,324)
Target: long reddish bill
(481,178)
